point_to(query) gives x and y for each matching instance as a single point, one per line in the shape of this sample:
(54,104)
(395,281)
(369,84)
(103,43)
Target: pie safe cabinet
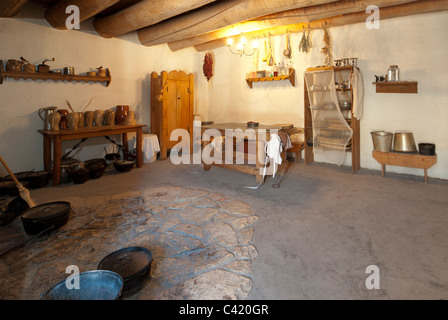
(172,103)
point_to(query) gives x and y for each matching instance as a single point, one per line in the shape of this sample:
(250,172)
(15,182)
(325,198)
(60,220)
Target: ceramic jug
(73,120)
(63,123)
(54,119)
(44,113)
(98,118)
(121,114)
(130,119)
(89,115)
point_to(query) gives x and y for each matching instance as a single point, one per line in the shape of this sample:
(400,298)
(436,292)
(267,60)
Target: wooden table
(55,138)
(253,164)
(410,160)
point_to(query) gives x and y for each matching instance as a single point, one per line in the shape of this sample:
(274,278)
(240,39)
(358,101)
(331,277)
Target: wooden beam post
(216,16)
(56,15)
(415,7)
(143,14)
(9,8)
(301,15)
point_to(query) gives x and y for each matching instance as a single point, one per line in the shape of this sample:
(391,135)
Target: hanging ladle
(287,51)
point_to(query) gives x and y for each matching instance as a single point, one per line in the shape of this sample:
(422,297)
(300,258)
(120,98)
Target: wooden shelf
(341,74)
(410,160)
(291,77)
(397,87)
(51,76)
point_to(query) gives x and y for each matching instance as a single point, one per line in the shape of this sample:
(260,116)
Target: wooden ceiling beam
(9,8)
(215,17)
(412,8)
(300,15)
(143,14)
(56,15)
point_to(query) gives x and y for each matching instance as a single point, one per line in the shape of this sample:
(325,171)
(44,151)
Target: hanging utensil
(270,57)
(287,51)
(265,56)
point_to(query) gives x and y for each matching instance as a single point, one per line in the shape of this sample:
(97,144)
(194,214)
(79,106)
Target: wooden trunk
(172,98)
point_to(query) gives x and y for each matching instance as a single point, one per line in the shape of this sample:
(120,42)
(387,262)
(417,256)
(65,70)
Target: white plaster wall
(417,44)
(129,62)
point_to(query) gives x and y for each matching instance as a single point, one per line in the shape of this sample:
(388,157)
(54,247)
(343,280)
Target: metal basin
(404,142)
(93,285)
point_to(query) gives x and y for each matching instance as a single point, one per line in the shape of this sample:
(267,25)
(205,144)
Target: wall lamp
(242,46)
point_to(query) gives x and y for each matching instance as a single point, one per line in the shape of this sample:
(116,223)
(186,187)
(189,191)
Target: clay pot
(109,118)
(130,120)
(88,116)
(54,119)
(98,118)
(14,65)
(63,123)
(81,122)
(121,114)
(73,120)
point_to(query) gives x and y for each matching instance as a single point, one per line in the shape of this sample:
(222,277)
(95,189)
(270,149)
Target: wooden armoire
(172,103)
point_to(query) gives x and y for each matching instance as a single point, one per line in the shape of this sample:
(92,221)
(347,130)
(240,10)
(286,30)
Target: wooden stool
(297,148)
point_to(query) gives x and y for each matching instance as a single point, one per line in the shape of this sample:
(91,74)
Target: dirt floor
(325,233)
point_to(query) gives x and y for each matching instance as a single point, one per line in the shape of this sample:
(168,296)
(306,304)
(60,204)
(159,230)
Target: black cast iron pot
(46,217)
(133,264)
(427,149)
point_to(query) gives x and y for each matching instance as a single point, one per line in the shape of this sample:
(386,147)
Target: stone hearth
(200,242)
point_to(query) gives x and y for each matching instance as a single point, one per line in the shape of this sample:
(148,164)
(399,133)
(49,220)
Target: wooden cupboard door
(183,105)
(178,109)
(171,111)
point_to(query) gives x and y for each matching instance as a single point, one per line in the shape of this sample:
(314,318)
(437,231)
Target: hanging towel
(358,93)
(274,150)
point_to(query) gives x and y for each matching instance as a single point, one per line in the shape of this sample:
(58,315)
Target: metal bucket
(382,141)
(404,142)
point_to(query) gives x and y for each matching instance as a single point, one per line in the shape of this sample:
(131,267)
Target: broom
(24,192)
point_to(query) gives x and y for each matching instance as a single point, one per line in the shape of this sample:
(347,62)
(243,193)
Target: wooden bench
(410,160)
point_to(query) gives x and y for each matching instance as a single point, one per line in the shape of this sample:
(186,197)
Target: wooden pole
(56,15)
(216,16)
(301,15)
(24,192)
(143,14)
(9,8)
(416,7)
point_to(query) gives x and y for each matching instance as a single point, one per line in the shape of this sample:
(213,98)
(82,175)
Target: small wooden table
(255,138)
(56,137)
(410,160)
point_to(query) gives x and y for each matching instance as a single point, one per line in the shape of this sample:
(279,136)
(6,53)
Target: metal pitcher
(44,113)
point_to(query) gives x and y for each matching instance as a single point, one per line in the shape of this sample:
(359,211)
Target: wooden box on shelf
(396,87)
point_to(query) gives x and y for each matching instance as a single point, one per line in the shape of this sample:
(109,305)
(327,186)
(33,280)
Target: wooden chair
(297,147)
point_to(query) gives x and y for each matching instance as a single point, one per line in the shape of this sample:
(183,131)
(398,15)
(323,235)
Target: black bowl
(96,170)
(427,149)
(124,166)
(93,162)
(80,176)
